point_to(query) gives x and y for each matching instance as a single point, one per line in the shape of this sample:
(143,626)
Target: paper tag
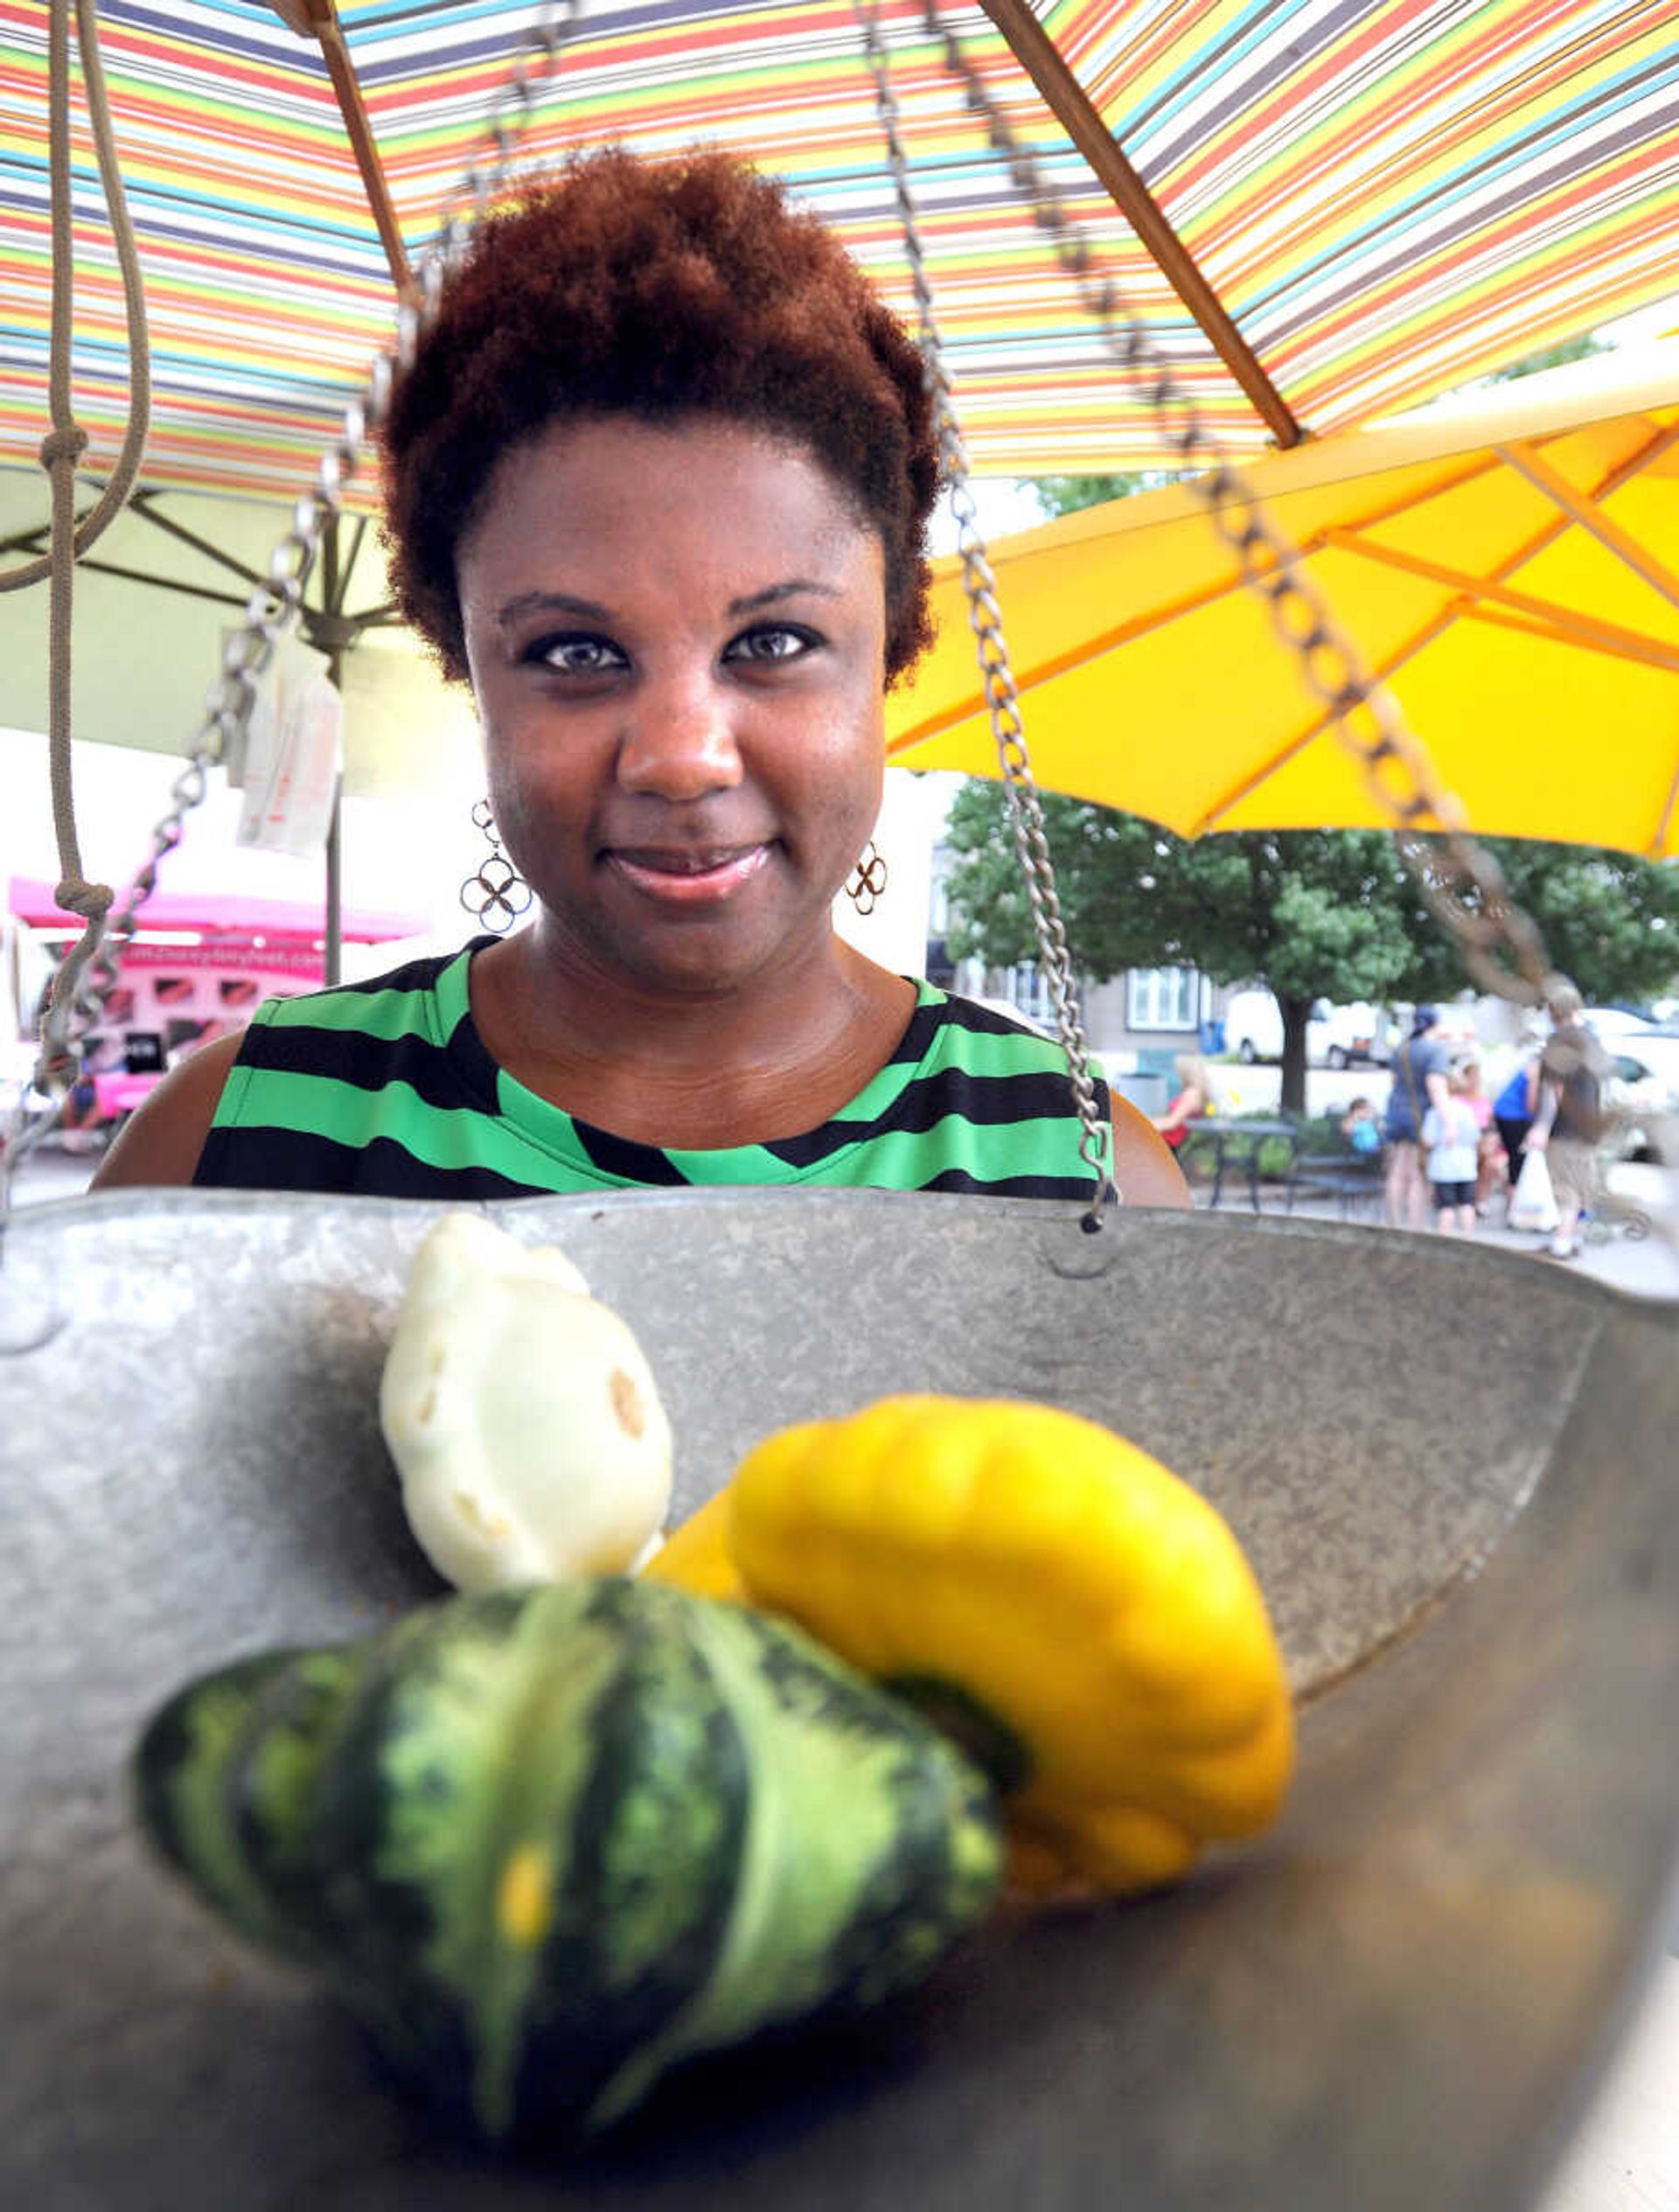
(295,753)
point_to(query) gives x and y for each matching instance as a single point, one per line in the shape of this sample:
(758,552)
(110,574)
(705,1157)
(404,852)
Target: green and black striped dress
(386,1087)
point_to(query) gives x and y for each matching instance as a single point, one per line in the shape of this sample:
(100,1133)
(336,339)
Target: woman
(1419,1070)
(658,484)
(1194,1100)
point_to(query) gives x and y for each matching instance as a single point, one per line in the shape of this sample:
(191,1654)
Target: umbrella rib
(1565,622)
(1533,626)
(1437,627)
(1657,849)
(140,505)
(1082,120)
(1061,664)
(320,18)
(1528,462)
(161,583)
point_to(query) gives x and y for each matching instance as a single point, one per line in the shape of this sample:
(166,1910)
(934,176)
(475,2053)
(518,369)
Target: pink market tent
(222,925)
(278,944)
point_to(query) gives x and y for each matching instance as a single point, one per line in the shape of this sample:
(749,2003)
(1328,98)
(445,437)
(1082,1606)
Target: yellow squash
(696,1556)
(1085,1620)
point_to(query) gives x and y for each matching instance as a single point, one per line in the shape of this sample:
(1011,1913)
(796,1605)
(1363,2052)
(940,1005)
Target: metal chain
(1002,701)
(273,607)
(1461,883)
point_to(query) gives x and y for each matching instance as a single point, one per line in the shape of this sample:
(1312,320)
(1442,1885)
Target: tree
(1610,920)
(1551,357)
(1068,495)
(1310,913)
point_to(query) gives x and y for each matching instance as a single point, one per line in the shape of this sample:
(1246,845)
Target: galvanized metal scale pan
(1440,1460)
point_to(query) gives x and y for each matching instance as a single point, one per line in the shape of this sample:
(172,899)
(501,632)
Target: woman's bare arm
(161,1141)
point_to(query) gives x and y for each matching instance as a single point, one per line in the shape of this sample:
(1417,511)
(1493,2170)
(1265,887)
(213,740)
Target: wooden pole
(1073,107)
(319,19)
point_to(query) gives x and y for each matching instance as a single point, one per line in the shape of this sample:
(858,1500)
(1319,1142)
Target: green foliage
(1610,920)
(1311,913)
(1330,913)
(1306,911)
(1550,357)
(1070,494)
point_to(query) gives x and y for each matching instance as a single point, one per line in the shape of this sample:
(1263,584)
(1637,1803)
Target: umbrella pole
(1073,108)
(334,582)
(332,959)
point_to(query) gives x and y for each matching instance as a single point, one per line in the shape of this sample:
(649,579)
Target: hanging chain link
(273,607)
(1461,883)
(1002,701)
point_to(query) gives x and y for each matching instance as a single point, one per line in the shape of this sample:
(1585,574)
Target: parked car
(1643,1087)
(1336,1036)
(1615,1027)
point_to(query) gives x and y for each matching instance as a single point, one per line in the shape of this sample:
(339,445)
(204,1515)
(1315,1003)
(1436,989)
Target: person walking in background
(1420,1070)
(1194,1100)
(1512,1112)
(1569,1119)
(1453,1136)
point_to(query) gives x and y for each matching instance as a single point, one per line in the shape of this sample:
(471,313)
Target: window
(1028,991)
(1163,998)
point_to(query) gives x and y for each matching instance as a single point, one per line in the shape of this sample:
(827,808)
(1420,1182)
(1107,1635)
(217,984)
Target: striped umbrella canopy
(1333,208)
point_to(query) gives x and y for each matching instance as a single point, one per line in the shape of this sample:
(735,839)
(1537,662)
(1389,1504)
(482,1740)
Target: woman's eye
(577,655)
(771,641)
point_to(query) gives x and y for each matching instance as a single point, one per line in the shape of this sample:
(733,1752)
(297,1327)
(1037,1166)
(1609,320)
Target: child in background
(1489,1152)
(1454,1141)
(1361,1129)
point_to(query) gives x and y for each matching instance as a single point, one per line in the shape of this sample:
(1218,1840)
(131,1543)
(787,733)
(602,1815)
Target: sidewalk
(1647,1266)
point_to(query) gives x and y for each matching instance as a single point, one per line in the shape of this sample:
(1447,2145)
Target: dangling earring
(867,879)
(498,894)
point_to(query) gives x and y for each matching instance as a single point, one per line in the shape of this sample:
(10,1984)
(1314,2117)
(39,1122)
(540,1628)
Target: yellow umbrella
(1511,568)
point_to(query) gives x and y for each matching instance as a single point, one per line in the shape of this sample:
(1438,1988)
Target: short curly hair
(659,289)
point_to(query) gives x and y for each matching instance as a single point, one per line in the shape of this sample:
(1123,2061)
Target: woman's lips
(688,878)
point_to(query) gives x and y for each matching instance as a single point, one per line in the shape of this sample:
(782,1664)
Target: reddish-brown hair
(657,290)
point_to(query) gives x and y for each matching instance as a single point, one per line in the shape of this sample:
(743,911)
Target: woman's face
(676,637)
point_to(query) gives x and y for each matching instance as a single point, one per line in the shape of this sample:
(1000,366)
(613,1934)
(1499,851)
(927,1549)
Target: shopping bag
(1533,1204)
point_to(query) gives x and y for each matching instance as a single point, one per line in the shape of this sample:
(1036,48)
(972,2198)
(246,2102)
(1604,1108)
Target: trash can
(1144,1089)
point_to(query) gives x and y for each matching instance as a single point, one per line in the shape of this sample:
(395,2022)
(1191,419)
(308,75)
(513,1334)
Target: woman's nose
(678,740)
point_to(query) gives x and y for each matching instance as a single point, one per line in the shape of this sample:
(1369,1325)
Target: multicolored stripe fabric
(386,1087)
(1390,197)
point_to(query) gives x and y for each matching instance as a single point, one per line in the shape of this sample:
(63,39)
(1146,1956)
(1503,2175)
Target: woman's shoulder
(422,977)
(1144,1166)
(957,1018)
(162,1143)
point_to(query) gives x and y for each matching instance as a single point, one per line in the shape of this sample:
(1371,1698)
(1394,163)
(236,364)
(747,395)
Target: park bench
(1351,1178)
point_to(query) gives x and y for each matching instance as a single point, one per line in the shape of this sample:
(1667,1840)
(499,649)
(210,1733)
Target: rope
(61,449)
(112,500)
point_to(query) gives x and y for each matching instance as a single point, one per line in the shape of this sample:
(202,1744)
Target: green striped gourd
(547,1842)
